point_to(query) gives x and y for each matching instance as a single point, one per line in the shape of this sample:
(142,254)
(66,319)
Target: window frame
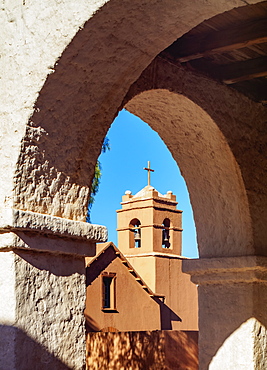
(111,304)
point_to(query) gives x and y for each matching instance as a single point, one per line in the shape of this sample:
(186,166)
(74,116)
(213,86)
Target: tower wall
(159,264)
(151,209)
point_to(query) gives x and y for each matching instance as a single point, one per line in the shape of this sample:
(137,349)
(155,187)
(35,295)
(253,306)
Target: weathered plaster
(50,292)
(7,310)
(232,311)
(233,356)
(217,137)
(42,290)
(33,37)
(228,269)
(205,159)
(51,225)
(60,90)
(42,299)
(250,355)
(83,91)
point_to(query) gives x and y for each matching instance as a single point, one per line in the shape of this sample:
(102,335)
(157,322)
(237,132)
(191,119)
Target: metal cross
(148,169)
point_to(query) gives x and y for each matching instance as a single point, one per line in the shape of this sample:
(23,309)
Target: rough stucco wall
(50,300)
(250,356)
(42,291)
(234,315)
(214,183)
(50,166)
(34,35)
(78,94)
(7,310)
(233,356)
(225,194)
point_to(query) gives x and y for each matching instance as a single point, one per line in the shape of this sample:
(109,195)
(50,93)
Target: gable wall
(136,310)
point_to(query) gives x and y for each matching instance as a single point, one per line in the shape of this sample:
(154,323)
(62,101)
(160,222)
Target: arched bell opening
(166,234)
(135,233)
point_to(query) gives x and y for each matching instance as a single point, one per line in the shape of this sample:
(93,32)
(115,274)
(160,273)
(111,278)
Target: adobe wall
(135,309)
(142,350)
(181,296)
(42,304)
(232,311)
(51,305)
(164,276)
(42,291)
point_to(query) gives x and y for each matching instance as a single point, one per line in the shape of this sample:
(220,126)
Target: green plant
(96,179)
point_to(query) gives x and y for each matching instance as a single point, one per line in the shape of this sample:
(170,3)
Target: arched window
(135,233)
(166,233)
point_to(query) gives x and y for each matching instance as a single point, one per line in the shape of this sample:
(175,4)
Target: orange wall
(136,309)
(142,350)
(164,276)
(180,292)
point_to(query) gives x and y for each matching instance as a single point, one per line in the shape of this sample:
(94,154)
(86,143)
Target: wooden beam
(190,47)
(244,71)
(234,72)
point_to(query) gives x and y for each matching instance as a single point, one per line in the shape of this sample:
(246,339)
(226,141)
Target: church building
(140,285)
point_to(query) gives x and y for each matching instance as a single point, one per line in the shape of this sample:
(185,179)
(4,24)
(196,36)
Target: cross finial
(148,169)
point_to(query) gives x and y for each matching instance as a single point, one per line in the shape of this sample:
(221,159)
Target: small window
(108,291)
(166,233)
(135,233)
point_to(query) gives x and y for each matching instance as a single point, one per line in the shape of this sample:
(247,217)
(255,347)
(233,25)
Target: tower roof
(146,192)
(149,192)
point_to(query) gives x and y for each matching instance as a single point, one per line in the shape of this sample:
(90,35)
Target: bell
(137,235)
(165,236)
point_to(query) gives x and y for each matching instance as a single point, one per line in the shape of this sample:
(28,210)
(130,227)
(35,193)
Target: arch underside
(213,178)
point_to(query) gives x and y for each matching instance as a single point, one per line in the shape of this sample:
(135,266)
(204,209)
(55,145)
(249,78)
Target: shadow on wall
(91,325)
(152,350)
(63,265)
(19,351)
(242,319)
(167,315)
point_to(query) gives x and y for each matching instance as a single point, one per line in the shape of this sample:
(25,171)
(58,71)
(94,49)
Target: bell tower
(149,222)
(149,231)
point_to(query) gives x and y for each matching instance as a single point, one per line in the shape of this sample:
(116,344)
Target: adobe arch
(84,92)
(69,70)
(212,175)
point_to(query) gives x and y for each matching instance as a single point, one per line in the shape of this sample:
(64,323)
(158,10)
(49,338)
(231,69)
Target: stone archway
(69,70)
(231,289)
(212,175)
(83,93)
(227,311)
(233,115)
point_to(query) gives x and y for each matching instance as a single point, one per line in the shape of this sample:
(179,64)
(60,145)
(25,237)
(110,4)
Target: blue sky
(132,144)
